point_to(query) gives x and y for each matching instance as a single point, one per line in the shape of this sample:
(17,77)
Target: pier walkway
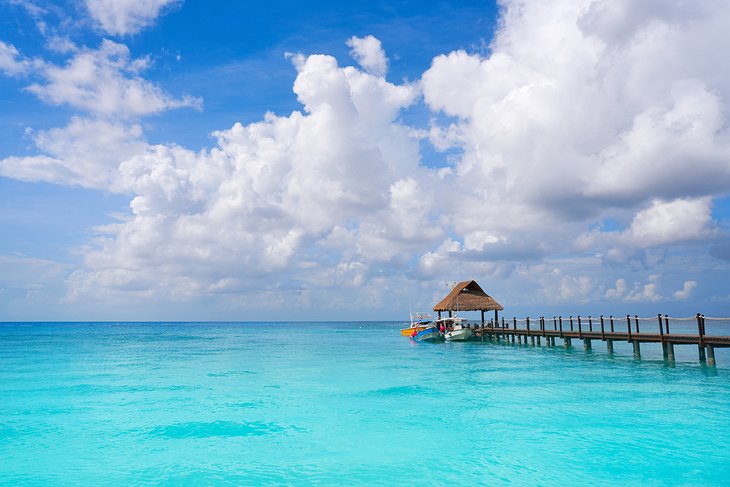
(634,330)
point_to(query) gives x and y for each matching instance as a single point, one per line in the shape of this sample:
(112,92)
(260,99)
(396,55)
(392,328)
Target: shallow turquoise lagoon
(347,404)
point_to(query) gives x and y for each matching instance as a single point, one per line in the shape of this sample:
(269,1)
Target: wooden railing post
(704,330)
(590,323)
(670,344)
(665,352)
(701,335)
(628,324)
(661,327)
(700,330)
(580,329)
(611,323)
(603,330)
(636,320)
(710,348)
(560,321)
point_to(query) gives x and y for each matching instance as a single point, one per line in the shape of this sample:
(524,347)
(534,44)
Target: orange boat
(419,322)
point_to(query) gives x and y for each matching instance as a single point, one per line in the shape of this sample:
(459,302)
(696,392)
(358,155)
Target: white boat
(455,329)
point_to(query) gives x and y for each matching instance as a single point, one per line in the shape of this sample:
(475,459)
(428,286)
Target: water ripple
(217,429)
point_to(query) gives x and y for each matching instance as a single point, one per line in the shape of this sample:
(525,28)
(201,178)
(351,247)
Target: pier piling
(710,355)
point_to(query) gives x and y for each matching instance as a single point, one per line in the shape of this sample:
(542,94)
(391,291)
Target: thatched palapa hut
(468,296)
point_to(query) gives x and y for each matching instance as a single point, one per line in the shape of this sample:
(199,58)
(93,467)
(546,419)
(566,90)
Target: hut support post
(587,344)
(566,342)
(609,346)
(637,349)
(482,334)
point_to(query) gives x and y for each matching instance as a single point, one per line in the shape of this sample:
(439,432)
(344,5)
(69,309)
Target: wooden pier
(633,330)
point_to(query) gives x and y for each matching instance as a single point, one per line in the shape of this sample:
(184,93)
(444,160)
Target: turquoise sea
(347,404)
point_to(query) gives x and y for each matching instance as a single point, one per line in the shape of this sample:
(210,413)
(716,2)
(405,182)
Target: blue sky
(321,160)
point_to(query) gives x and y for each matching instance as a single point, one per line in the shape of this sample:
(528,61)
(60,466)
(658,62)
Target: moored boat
(454,329)
(419,322)
(429,334)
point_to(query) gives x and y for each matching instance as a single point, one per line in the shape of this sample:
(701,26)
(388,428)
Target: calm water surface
(347,403)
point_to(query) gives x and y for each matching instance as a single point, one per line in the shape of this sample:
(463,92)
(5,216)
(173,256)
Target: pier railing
(663,329)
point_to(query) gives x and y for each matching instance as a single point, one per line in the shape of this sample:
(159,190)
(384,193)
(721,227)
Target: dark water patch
(231,373)
(248,405)
(403,391)
(177,338)
(220,429)
(6,431)
(86,389)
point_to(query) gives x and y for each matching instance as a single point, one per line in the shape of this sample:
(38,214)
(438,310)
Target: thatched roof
(467,296)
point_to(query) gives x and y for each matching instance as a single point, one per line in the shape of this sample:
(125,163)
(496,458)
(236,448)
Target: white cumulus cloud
(586,111)
(686,290)
(86,152)
(341,179)
(673,221)
(124,17)
(11,61)
(368,52)
(106,81)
